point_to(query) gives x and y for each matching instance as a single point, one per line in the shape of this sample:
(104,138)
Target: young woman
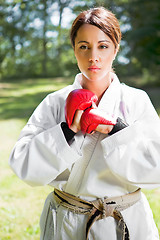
(97,142)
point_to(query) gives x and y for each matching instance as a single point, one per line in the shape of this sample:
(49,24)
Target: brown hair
(101,18)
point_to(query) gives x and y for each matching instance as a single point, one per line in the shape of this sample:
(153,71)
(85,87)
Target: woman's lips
(93,68)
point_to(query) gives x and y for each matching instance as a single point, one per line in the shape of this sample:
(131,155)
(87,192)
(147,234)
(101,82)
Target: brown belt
(100,208)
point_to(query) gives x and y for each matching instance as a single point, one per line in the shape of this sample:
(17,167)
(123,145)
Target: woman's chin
(94,77)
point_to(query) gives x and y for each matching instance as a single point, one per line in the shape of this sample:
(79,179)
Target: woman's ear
(116,51)
(75,52)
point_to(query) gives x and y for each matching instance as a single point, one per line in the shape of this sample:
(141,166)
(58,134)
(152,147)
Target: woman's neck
(97,87)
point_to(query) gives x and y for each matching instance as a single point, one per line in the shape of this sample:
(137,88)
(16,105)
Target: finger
(104,128)
(94,105)
(78,115)
(75,126)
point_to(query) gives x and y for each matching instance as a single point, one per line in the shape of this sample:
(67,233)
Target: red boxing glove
(91,118)
(78,99)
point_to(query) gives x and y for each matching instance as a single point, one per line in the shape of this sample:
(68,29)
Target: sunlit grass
(20,204)
(153,197)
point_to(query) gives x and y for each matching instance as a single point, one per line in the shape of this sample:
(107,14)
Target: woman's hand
(76,126)
(94,119)
(78,99)
(104,128)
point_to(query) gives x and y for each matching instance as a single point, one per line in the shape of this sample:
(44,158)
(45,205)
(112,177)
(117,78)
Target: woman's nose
(94,56)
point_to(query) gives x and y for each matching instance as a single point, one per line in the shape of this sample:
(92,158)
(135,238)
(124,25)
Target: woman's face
(94,52)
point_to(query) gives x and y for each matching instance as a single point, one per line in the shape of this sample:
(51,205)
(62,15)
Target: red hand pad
(78,99)
(91,118)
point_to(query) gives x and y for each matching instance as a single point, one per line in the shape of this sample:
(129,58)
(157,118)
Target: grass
(20,204)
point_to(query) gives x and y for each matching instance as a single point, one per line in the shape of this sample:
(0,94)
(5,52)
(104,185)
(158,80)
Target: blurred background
(34,38)
(36,58)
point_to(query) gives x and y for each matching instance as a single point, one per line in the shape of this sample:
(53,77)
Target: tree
(144,35)
(32,44)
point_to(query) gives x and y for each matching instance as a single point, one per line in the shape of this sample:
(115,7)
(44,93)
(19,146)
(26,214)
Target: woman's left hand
(104,128)
(94,119)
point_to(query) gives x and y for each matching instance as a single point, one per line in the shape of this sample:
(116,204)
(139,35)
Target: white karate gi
(95,165)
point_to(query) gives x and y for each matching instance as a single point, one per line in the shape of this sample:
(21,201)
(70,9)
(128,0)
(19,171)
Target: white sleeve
(133,154)
(41,154)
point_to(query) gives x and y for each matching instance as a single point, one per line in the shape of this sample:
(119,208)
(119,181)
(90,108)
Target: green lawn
(20,204)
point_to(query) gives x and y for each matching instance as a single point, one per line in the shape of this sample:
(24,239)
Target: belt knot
(105,209)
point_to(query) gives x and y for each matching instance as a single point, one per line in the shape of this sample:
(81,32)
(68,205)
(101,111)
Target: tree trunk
(44,40)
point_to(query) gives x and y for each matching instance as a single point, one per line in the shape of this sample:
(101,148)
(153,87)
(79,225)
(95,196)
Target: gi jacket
(98,165)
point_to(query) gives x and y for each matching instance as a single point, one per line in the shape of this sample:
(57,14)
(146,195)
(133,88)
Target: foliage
(31,42)
(34,37)
(143,36)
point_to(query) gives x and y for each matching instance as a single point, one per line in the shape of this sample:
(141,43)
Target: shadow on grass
(20,107)
(19,99)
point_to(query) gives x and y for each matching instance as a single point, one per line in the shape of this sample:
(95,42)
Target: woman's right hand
(76,126)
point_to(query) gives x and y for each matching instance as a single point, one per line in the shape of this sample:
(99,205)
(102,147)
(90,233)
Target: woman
(97,142)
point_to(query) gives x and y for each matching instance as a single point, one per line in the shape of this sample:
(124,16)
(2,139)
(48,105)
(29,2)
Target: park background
(36,58)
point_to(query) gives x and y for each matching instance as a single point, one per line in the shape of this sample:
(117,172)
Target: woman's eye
(83,47)
(103,46)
